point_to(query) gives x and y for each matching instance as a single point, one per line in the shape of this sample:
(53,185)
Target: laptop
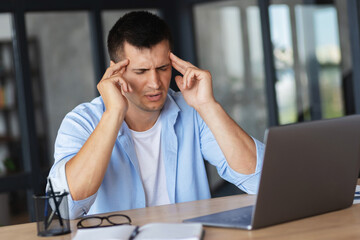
(309,168)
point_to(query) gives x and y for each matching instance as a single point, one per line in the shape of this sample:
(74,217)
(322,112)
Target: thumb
(179,82)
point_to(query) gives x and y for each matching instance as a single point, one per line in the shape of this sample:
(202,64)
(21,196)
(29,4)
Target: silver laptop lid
(309,169)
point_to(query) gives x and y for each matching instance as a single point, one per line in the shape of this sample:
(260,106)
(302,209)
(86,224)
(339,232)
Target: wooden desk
(344,224)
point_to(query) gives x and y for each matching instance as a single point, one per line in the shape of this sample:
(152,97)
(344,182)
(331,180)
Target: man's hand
(113,87)
(86,170)
(196,88)
(195,84)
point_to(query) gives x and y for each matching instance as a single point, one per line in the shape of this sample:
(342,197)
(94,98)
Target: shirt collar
(169,112)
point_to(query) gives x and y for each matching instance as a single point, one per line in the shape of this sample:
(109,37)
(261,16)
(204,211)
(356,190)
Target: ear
(112,63)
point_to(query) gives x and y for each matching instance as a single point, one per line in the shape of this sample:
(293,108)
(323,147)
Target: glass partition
(10,149)
(280,31)
(320,42)
(62,66)
(233,54)
(308,61)
(229,45)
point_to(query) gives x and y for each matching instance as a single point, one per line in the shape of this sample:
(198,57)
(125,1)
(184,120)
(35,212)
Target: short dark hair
(141,29)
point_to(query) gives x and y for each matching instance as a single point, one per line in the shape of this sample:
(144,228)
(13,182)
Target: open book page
(122,232)
(169,231)
(151,231)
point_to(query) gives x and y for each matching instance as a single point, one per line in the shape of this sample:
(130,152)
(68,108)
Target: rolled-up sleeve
(73,133)
(58,179)
(211,151)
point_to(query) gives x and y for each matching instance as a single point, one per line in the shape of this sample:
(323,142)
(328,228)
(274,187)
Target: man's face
(149,75)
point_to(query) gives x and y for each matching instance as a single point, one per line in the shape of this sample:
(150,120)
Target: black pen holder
(52,214)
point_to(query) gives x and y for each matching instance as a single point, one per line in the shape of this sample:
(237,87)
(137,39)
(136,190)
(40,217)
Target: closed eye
(163,68)
(140,71)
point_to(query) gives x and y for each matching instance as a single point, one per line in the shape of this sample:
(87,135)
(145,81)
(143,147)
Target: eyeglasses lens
(118,219)
(91,222)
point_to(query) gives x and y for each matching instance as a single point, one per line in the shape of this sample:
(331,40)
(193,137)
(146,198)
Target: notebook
(168,231)
(309,168)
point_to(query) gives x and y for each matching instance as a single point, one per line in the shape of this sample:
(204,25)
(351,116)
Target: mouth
(154,97)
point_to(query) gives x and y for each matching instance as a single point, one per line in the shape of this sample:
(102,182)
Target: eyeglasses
(96,221)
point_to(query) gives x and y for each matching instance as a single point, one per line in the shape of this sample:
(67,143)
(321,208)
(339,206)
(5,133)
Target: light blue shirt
(186,142)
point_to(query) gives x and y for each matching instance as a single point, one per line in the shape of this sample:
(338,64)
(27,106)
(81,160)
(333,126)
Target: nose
(154,80)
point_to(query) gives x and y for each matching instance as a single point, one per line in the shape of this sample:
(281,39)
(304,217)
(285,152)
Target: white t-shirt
(152,169)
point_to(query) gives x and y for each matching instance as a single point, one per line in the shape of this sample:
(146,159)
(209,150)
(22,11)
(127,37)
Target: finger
(191,80)
(179,64)
(128,86)
(125,85)
(179,68)
(190,77)
(179,80)
(120,82)
(115,68)
(195,76)
(185,78)
(122,70)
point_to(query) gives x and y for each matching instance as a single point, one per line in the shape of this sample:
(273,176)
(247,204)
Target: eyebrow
(145,69)
(165,65)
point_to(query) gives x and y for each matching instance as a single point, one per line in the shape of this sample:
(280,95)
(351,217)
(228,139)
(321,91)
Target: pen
(56,203)
(49,219)
(46,211)
(134,233)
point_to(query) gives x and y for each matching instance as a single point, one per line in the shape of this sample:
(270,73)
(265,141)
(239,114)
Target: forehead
(147,57)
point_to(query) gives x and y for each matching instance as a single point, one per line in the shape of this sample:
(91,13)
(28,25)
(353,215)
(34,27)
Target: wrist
(116,115)
(207,106)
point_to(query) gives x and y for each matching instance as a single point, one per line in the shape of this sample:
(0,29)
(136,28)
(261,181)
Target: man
(141,144)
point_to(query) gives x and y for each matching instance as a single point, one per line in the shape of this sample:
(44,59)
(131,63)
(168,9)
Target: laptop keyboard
(239,215)
(236,218)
